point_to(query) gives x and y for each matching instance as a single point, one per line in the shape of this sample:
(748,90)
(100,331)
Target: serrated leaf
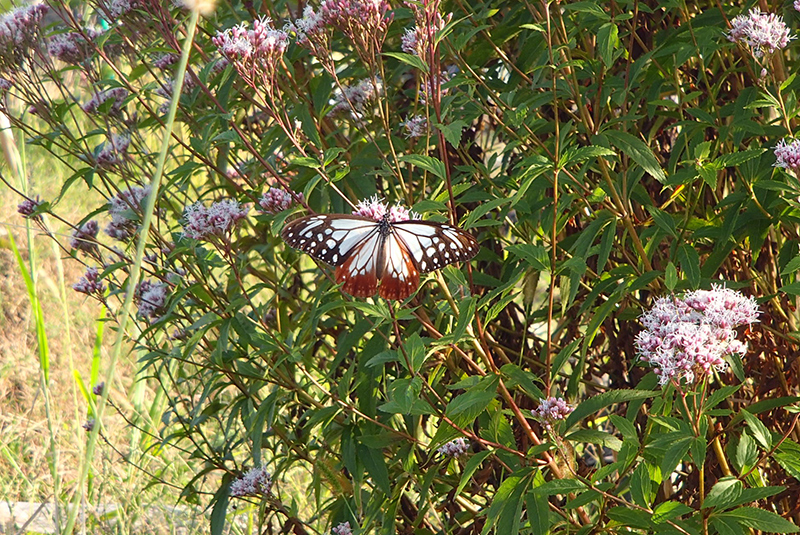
(724,492)
(409,59)
(607,41)
(452,131)
(637,151)
(759,430)
(472,465)
(534,255)
(760,519)
(669,510)
(428,163)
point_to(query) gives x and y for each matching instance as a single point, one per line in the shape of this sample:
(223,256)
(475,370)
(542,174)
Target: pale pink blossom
(277,200)
(84,237)
(551,410)
(764,33)
(152,298)
(221,217)
(454,448)
(255,482)
(90,283)
(787,155)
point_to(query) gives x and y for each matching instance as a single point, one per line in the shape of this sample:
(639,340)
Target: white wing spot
(441,246)
(429,251)
(423,265)
(323,252)
(328,231)
(335,257)
(330,243)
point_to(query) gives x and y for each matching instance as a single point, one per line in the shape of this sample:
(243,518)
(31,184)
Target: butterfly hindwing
(400,276)
(359,272)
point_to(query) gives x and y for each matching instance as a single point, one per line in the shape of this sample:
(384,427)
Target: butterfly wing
(399,275)
(434,245)
(332,238)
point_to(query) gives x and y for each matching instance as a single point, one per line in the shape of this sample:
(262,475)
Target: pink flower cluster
(454,448)
(83,238)
(691,336)
(356,98)
(551,410)
(73,48)
(416,126)
(19,34)
(254,53)
(90,283)
(110,154)
(764,33)
(115,94)
(255,482)
(787,155)
(342,529)
(310,29)
(417,40)
(374,208)
(28,207)
(121,207)
(363,22)
(152,298)
(221,217)
(276,200)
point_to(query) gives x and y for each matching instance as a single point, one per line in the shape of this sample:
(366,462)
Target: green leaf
(596,403)
(669,510)
(760,519)
(728,526)
(759,430)
(470,403)
(559,486)
(638,151)
(505,512)
(607,41)
(724,492)
(746,452)
(641,486)
(409,59)
(428,163)
(737,158)
(220,502)
(690,263)
(595,436)
(534,255)
(663,221)
(375,465)
(472,465)
(452,132)
(671,277)
(674,454)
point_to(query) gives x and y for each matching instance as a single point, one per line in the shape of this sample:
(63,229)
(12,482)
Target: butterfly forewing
(435,245)
(330,238)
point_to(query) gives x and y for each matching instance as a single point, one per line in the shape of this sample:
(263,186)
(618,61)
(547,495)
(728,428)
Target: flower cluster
(416,126)
(152,298)
(73,48)
(690,336)
(19,34)
(97,390)
(551,410)
(310,30)
(255,482)
(254,53)
(115,95)
(112,150)
(787,155)
(121,207)
(417,40)
(454,448)
(276,200)
(165,61)
(428,88)
(90,283)
(88,425)
(764,33)
(355,98)
(342,529)
(374,208)
(83,238)
(28,207)
(363,22)
(221,217)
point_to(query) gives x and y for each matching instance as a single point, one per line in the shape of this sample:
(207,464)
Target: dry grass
(25,451)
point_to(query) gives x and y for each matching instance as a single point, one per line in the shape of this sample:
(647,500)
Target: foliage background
(604,154)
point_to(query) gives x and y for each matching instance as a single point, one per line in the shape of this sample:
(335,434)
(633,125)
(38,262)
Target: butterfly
(365,251)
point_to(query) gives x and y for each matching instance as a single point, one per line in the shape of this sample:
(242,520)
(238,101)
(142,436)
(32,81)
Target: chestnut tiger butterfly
(365,250)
